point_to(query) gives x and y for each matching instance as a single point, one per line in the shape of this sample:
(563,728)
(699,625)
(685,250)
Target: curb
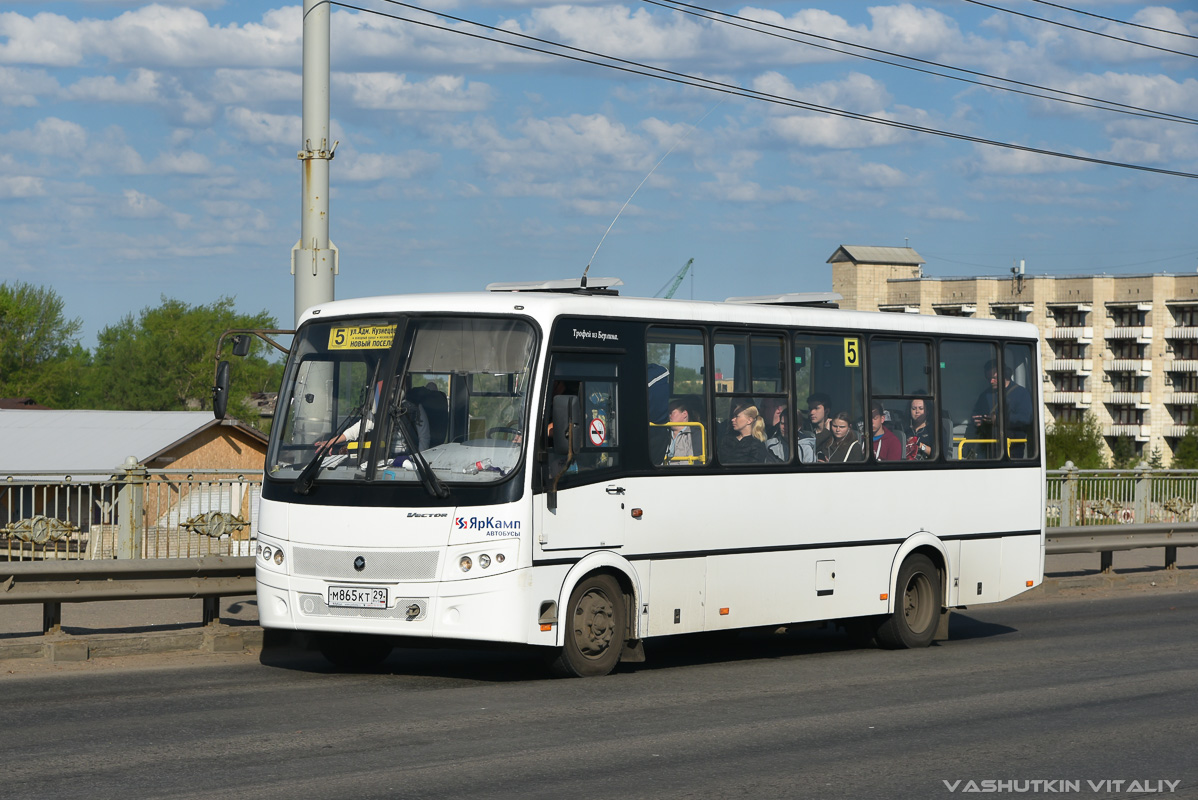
(64,648)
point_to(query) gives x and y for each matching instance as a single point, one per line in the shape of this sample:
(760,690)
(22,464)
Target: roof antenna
(685,136)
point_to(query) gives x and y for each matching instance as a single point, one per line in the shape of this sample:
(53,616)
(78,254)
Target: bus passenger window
(1019,410)
(828,383)
(751,404)
(969,395)
(678,435)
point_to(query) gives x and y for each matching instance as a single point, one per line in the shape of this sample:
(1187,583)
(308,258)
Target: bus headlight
(484,561)
(279,557)
(465,563)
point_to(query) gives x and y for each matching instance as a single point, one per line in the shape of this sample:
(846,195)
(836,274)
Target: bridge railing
(1120,497)
(130,513)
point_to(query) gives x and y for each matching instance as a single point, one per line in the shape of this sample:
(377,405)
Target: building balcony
(898,308)
(1078,366)
(1075,399)
(1176,430)
(1141,335)
(1181,365)
(1137,399)
(1082,335)
(955,309)
(1137,432)
(1182,332)
(1138,366)
(1181,398)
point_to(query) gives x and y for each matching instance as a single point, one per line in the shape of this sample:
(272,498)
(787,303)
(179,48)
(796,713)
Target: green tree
(1186,454)
(1123,453)
(163,359)
(1079,442)
(1157,459)
(40,356)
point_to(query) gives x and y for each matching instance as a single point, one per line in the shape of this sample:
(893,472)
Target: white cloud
(48,137)
(385,166)
(1003,161)
(187,162)
(18,186)
(391,92)
(137,205)
(23,87)
(141,86)
(260,127)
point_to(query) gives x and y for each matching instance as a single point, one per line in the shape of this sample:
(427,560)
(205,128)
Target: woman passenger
(845,445)
(745,444)
(921,442)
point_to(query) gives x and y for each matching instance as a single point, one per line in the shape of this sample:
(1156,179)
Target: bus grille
(313,605)
(381,565)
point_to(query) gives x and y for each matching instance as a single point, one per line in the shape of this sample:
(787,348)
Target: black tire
(918,596)
(354,651)
(595,624)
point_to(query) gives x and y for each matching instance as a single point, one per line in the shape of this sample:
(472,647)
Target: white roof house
(55,442)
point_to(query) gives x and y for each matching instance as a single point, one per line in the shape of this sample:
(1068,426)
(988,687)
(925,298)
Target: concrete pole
(314,257)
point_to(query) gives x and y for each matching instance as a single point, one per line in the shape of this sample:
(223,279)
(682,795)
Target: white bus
(511,466)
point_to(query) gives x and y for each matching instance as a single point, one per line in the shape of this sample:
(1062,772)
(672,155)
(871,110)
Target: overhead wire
(645,70)
(1118,21)
(724,17)
(1082,30)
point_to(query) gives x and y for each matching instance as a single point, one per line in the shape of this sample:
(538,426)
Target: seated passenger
(886,445)
(779,441)
(921,444)
(745,442)
(682,441)
(819,409)
(845,445)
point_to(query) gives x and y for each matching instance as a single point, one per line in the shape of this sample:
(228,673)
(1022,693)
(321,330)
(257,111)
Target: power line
(1082,30)
(1118,21)
(1109,105)
(645,70)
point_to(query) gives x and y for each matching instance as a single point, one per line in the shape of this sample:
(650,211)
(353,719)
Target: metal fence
(130,513)
(1119,497)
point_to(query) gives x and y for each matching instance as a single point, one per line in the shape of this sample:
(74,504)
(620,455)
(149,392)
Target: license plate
(358,597)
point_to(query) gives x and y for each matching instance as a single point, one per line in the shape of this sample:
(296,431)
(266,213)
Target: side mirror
(567,425)
(241,345)
(220,390)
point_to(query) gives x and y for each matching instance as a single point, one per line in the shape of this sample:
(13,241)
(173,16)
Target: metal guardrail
(129,513)
(53,583)
(1142,495)
(1105,540)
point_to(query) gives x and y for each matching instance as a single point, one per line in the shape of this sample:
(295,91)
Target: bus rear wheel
(596,626)
(354,651)
(916,606)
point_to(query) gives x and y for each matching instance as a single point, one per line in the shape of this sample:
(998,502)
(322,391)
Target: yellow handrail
(962,442)
(702,457)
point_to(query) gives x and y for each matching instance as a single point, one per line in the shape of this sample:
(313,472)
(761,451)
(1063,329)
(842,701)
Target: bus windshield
(369,397)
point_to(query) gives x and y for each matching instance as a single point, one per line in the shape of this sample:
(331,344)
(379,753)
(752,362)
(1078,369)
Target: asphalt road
(1087,690)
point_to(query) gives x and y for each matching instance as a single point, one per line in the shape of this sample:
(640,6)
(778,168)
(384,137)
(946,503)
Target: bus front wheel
(596,626)
(354,651)
(916,606)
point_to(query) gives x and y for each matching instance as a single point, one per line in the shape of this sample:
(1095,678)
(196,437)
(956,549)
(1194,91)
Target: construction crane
(673,283)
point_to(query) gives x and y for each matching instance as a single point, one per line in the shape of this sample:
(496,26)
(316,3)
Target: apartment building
(1123,348)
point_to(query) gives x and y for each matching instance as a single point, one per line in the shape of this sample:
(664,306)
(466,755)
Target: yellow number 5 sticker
(852,352)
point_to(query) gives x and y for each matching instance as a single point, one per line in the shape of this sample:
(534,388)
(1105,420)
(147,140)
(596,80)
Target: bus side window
(1020,409)
(828,381)
(750,384)
(676,387)
(970,398)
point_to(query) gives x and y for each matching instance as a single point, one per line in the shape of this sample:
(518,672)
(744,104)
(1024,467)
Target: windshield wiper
(432,484)
(307,476)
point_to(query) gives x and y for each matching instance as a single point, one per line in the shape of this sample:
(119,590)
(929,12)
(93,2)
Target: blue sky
(149,149)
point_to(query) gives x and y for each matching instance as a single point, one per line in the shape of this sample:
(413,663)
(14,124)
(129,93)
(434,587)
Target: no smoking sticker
(597,432)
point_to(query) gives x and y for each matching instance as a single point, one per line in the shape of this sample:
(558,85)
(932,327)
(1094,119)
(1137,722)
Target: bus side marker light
(1031,583)
(546,626)
(723,612)
(637,513)
(884,596)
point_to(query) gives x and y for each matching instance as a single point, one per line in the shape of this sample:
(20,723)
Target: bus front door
(592,507)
